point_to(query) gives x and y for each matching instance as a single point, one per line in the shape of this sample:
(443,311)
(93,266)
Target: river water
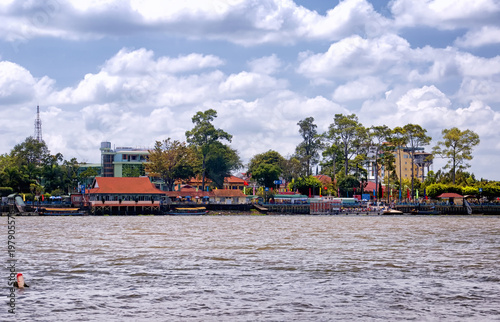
(256,268)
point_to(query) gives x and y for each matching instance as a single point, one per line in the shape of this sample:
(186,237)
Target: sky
(134,72)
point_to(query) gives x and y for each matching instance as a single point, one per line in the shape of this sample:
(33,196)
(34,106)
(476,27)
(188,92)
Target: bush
(5,191)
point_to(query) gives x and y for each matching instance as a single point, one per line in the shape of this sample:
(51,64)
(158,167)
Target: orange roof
(233,179)
(129,185)
(449,195)
(324,178)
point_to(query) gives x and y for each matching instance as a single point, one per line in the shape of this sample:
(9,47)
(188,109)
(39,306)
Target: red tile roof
(233,179)
(129,185)
(324,178)
(450,195)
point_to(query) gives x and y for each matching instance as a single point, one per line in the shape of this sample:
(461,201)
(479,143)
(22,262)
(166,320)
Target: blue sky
(133,72)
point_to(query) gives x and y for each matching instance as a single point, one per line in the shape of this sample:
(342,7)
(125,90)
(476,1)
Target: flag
(309,192)
(244,191)
(416,193)
(408,192)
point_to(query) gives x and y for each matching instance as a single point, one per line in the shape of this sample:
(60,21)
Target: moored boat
(60,212)
(192,211)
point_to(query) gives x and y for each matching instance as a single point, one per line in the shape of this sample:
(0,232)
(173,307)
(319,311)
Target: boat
(392,212)
(191,211)
(60,212)
(425,212)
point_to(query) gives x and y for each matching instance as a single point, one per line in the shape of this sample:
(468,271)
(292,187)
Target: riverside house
(124,195)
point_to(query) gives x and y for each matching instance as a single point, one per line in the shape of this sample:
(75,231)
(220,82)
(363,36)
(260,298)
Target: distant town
(367,164)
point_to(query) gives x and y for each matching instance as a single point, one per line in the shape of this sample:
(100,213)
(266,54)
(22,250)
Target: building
(228,196)
(124,196)
(230,183)
(403,165)
(122,161)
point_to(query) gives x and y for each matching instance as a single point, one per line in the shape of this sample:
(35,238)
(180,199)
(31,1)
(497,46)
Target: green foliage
(308,150)
(348,134)
(88,175)
(347,184)
(490,190)
(5,191)
(457,148)
(204,135)
(468,190)
(436,189)
(303,185)
(221,161)
(266,167)
(171,160)
(332,161)
(291,169)
(133,170)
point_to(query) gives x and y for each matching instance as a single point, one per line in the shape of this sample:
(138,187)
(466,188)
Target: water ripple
(247,268)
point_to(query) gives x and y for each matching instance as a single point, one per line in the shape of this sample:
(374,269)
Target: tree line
(341,153)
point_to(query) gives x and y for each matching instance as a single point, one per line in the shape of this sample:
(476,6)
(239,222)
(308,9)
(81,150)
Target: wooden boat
(60,212)
(192,211)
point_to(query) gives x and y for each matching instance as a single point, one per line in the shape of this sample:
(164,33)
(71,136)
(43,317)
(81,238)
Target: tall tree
(457,147)
(221,162)
(414,138)
(378,139)
(171,160)
(204,135)
(30,157)
(347,133)
(292,169)
(308,149)
(329,165)
(266,167)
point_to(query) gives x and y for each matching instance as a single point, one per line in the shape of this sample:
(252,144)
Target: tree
(414,137)
(171,160)
(330,165)
(88,175)
(266,167)
(31,151)
(221,161)
(347,184)
(378,138)
(308,149)
(307,185)
(457,147)
(29,157)
(347,133)
(133,170)
(291,169)
(204,135)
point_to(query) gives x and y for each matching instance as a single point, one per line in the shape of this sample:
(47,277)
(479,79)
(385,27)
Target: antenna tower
(38,125)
